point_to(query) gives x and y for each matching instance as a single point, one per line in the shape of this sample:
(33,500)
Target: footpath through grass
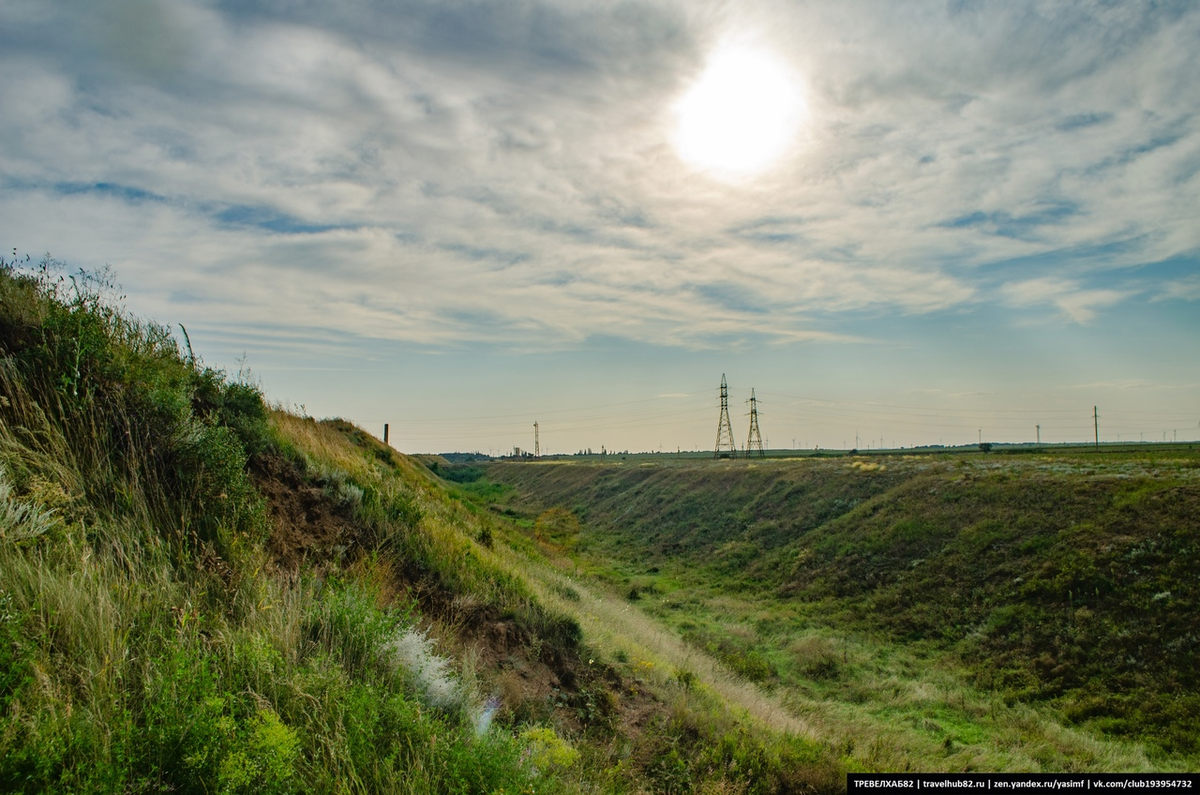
(981,612)
(200,593)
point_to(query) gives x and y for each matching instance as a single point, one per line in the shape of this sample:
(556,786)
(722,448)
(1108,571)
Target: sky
(899,223)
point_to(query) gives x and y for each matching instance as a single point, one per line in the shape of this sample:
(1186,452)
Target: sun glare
(742,114)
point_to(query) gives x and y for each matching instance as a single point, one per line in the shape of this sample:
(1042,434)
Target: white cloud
(1180,289)
(444,174)
(1135,384)
(1078,304)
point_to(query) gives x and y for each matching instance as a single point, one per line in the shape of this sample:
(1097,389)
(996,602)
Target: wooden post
(385,433)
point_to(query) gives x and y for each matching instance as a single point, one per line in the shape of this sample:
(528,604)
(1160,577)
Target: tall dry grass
(144,645)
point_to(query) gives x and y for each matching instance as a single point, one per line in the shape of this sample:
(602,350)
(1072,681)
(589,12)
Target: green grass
(1044,599)
(145,644)
(201,593)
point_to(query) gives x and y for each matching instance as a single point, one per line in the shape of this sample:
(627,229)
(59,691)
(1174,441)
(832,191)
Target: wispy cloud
(1134,384)
(447,173)
(1077,303)
(1181,289)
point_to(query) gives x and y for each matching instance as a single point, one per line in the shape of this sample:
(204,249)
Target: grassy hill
(967,612)
(203,593)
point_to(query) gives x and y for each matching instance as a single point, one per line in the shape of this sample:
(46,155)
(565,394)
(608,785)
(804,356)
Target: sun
(741,115)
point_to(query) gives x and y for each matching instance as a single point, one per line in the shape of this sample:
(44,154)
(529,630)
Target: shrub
(546,750)
(148,431)
(264,760)
(460,474)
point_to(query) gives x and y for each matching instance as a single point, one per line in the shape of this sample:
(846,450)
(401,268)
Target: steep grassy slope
(1067,582)
(150,641)
(200,593)
(1075,582)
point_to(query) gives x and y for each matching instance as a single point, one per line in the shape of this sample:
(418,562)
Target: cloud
(443,173)
(1180,289)
(1134,384)
(1078,304)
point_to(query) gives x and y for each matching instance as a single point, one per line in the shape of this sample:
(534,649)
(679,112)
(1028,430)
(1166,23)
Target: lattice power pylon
(725,447)
(754,441)
(537,443)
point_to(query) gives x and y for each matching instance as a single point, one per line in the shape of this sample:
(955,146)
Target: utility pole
(725,447)
(754,440)
(1096,423)
(537,445)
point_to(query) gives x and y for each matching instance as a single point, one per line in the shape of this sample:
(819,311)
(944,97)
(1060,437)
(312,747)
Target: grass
(147,643)
(974,612)
(202,593)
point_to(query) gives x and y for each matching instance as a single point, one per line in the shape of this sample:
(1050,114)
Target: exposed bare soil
(534,680)
(306,525)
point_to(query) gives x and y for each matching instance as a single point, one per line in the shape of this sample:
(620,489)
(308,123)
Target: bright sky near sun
(742,114)
(901,223)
